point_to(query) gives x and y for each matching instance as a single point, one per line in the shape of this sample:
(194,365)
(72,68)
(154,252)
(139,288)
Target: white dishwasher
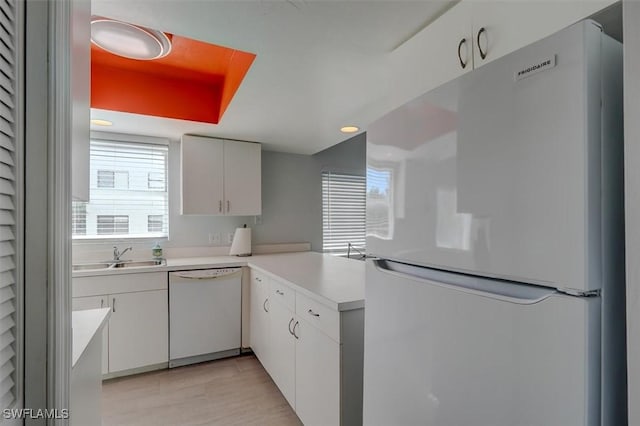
(204,315)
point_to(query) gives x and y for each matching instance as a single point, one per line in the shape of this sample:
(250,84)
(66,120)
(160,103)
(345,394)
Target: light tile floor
(234,391)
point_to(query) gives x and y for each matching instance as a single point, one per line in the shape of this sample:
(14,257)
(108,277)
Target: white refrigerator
(495,215)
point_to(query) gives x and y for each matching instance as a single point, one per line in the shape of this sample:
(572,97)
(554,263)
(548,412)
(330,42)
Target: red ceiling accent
(195,81)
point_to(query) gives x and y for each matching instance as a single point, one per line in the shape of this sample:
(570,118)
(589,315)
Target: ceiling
(320,64)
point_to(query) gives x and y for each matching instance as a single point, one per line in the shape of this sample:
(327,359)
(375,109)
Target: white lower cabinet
(282,364)
(96,302)
(315,354)
(317,376)
(138,330)
(259,306)
(137,335)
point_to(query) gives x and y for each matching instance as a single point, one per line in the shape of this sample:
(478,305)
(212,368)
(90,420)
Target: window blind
(8,283)
(343,212)
(128,183)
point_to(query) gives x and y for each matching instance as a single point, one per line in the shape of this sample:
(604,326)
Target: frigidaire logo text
(542,65)
(535,67)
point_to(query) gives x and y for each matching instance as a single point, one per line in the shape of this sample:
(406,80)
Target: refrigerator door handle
(506,291)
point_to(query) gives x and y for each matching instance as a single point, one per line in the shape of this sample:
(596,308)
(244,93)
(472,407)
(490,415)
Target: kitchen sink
(119,265)
(89,266)
(138,263)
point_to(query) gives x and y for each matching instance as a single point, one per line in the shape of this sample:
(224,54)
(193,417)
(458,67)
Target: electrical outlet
(230,237)
(215,238)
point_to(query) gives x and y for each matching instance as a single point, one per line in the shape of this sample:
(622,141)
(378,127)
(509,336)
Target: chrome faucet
(117,254)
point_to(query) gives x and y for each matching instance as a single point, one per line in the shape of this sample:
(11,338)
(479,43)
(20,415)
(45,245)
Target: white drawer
(283,294)
(123,283)
(324,318)
(258,277)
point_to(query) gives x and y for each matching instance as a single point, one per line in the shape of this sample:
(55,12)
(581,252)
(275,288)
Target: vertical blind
(128,183)
(8,283)
(343,212)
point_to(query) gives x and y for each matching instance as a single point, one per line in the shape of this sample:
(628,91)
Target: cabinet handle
(294,330)
(102,303)
(264,305)
(291,332)
(483,54)
(313,313)
(219,206)
(280,292)
(228,206)
(463,64)
(113,304)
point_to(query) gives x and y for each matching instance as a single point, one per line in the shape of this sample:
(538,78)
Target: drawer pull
(280,292)
(294,330)
(291,332)
(310,311)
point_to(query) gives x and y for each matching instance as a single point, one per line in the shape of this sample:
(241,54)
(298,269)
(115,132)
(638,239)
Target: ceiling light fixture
(128,40)
(349,129)
(101,122)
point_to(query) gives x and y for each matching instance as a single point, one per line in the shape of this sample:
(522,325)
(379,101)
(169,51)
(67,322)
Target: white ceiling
(320,64)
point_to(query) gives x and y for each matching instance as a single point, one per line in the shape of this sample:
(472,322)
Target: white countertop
(86,324)
(334,281)
(339,282)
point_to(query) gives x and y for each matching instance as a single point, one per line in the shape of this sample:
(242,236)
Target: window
(113,179)
(155,223)
(113,225)
(79,219)
(156,180)
(128,191)
(343,212)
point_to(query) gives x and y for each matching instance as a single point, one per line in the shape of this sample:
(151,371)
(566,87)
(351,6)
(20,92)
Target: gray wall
(289,210)
(631,17)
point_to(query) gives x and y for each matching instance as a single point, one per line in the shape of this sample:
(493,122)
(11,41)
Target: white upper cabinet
(439,53)
(500,28)
(220,177)
(242,178)
(202,169)
(472,33)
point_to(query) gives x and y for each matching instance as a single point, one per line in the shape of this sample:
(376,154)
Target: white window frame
(122,137)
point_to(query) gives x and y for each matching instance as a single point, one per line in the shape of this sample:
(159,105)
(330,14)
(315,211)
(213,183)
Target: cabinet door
(202,175)
(317,377)
(96,302)
(242,178)
(430,58)
(283,350)
(259,318)
(509,26)
(138,330)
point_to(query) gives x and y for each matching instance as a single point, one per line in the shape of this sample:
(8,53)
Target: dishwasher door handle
(189,275)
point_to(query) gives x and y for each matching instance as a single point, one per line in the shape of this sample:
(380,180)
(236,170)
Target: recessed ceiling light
(128,40)
(349,129)
(101,122)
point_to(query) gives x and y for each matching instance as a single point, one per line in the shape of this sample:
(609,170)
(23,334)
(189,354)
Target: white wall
(631,29)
